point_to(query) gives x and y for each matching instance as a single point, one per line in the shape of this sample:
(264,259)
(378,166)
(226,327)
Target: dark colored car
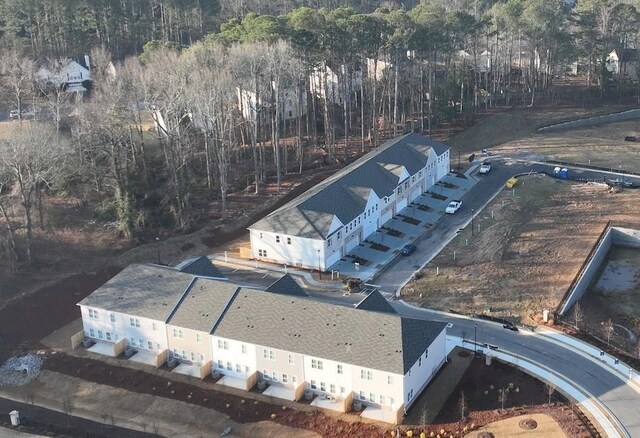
(511,327)
(408,249)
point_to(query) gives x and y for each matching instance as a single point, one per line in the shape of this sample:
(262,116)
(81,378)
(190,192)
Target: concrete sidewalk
(142,412)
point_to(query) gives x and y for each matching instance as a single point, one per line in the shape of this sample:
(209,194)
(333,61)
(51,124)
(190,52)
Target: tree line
(219,108)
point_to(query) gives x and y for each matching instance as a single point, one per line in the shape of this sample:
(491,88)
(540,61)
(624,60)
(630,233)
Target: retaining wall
(593,121)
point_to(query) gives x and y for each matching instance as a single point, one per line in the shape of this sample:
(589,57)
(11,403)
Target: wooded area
(221,99)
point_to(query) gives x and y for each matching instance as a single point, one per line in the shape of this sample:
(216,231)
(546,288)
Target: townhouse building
(278,338)
(325,223)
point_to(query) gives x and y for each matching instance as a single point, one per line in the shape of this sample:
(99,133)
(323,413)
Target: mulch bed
(411,220)
(394,233)
(424,207)
(438,196)
(379,247)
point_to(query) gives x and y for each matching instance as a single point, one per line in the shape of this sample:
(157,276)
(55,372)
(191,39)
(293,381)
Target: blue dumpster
(556,172)
(564,173)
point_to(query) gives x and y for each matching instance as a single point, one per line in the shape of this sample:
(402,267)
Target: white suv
(485,168)
(453,207)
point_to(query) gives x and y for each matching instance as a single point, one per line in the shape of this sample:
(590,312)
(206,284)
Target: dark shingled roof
(286,285)
(368,339)
(344,194)
(376,303)
(202,267)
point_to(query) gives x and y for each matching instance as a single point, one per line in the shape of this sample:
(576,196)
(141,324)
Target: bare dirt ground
(529,248)
(545,427)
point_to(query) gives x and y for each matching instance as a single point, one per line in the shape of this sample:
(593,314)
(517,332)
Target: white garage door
(386,217)
(414,193)
(401,204)
(353,243)
(333,259)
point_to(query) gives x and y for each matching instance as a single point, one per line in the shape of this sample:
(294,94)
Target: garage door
(333,259)
(414,193)
(386,217)
(353,243)
(401,204)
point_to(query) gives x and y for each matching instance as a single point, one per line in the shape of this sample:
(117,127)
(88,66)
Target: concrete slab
(233,382)
(327,403)
(379,414)
(279,391)
(187,370)
(104,348)
(144,357)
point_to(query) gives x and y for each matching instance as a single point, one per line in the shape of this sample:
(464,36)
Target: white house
(326,82)
(481,63)
(71,74)
(296,345)
(623,63)
(319,227)
(293,104)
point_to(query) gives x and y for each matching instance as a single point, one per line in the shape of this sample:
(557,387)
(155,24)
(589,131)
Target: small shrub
(409,433)
(273,416)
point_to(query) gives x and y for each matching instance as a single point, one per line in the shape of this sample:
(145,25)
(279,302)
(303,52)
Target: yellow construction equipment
(511,182)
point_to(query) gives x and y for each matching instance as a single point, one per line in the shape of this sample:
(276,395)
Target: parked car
(453,207)
(408,249)
(485,168)
(511,327)
(26,114)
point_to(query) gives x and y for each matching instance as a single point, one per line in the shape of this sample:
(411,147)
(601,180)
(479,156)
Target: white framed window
(150,345)
(426,353)
(261,235)
(277,239)
(265,375)
(223,345)
(262,252)
(420,361)
(274,376)
(383,400)
(113,317)
(246,369)
(342,390)
(99,334)
(340,370)
(193,357)
(316,364)
(323,387)
(198,338)
(108,336)
(288,240)
(92,333)
(154,326)
(176,353)
(177,333)
(157,344)
(244,349)
(285,378)
(294,380)
(269,354)
(133,342)
(390,379)
(292,359)
(220,365)
(229,366)
(141,343)
(134,322)
(238,368)
(329,242)
(366,375)
(362,396)
(201,358)
(332,388)
(93,314)
(339,234)
(372,397)
(313,384)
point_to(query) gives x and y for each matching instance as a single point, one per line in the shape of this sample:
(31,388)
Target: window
(223,345)
(269,354)
(93,314)
(339,234)
(332,388)
(108,335)
(175,353)
(426,353)
(316,364)
(157,344)
(406,185)
(329,242)
(99,334)
(340,370)
(238,368)
(362,396)
(285,378)
(399,191)
(294,380)
(150,345)
(390,379)
(288,240)
(261,235)
(323,387)
(133,342)
(177,333)
(92,333)
(383,400)
(220,365)
(244,349)
(198,338)
(229,366)
(342,390)
(246,369)
(274,376)
(265,375)
(366,375)
(420,361)
(292,360)
(262,252)
(372,397)
(313,384)
(113,317)
(277,239)
(141,343)
(193,357)
(154,326)
(134,322)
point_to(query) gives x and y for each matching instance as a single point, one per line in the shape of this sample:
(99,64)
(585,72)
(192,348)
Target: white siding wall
(328,375)
(423,370)
(379,385)
(148,330)
(300,252)
(277,363)
(233,354)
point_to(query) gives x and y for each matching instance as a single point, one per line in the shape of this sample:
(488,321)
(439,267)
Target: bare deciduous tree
(18,79)
(462,404)
(578,315)
(609,329)
(551,388)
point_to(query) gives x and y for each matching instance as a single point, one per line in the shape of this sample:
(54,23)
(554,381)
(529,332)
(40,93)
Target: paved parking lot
(412,222)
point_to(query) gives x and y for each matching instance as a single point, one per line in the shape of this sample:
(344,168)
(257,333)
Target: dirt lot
(529,248)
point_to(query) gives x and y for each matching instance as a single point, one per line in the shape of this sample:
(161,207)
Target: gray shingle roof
(310,215)
(203,304)
(286,285)
(362,338)
(148,291)
(376,303)
(203,267)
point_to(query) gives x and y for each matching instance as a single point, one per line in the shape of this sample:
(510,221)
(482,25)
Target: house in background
(293,104)
(278,337)
(336,85)
(321,226)
(623,63)
(71,74)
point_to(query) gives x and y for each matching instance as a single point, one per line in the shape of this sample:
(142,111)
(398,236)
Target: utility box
(545,315)
(511,182)
(15,418)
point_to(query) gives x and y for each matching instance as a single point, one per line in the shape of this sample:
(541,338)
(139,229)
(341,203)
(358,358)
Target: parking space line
(265,275)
